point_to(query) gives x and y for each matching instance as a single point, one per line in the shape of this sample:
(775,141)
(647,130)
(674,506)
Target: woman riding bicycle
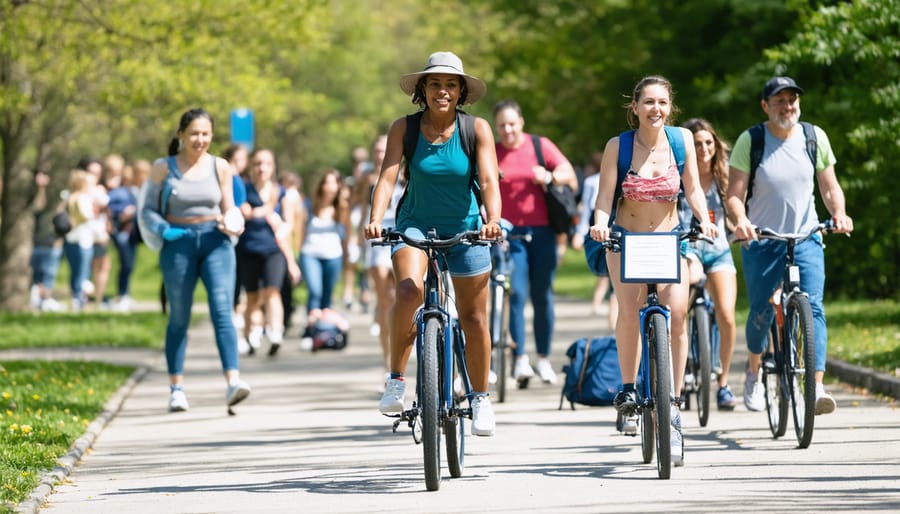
(648,203)
(439,195)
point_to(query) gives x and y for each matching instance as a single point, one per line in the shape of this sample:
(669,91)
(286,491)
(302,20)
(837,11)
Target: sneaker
(677,438)
(238,320)
(492,377)
(375,330)
(50,305)
(243,346)
(275,335)
(483,420)
(124,304)
(236,393)
(626,402)
(825,403)
(545,371)
(178,401)
(523,368)
(629,425)
(753,392)
(725,399)
(255,337)
(392,400)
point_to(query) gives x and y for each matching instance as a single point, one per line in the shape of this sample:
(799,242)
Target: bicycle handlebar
(614,243)
(767,233)
(391,237)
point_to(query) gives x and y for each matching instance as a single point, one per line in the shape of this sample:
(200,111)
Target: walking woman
(439,195)
(188,203)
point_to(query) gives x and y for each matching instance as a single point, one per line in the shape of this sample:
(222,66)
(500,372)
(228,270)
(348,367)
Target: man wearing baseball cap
(778,195)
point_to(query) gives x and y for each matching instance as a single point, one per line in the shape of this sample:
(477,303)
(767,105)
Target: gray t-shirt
(784,183)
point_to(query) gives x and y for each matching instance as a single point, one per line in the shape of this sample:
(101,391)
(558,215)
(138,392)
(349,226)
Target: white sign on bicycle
(651,257)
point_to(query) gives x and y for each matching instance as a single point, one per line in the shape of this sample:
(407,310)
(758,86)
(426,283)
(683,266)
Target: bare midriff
(647,216)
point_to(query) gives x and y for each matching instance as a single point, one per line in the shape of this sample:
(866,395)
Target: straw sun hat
(445,62)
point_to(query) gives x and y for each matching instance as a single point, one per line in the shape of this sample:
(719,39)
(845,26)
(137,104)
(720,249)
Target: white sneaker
(523,368)
(754,398)
(124,304)
(243,346)
(236,392)
(492,377)
(676,438)
(35,299)
(545,370)
(375,330)
(483,420)
(238,320)
(50,305)
(178,401)
(825,403)
(275,335)
(392,400)
(255,337)
(629,425)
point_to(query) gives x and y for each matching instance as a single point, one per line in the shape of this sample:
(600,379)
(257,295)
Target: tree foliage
(91,78)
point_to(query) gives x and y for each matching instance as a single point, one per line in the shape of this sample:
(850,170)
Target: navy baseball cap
(776,85)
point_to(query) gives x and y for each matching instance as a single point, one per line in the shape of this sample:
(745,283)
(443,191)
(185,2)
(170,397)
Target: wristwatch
(548,178)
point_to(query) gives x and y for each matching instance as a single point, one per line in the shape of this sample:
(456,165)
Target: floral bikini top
(663,188)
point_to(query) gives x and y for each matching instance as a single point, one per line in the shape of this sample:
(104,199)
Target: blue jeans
(80,267)
(126,246)
(207,254)
(763,271)
(44,265)
(534,266)
(320,276)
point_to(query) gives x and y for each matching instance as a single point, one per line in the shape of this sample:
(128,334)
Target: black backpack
(758,143)
(562,208)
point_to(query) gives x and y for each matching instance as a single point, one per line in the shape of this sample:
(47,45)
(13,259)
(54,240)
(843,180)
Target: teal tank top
(439,194)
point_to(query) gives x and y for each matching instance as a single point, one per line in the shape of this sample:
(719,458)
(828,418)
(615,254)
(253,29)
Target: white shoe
(255,337)
(523,368)
(375,330)
(275,335)
(483,421)
(124,304)
(50,305)
(243,346)
(236,392)
(754,398)
(545,371)
(306,343)
(825,403)
(629,425)
(35,300)
(238,320)
(492,377)
(676,439)
(392,400)
(178,401)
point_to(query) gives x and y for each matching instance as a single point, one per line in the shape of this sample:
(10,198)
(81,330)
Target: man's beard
(788,123)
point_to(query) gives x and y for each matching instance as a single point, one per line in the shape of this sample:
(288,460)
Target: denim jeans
(534,266)
(207,254)
(45,265)
(763,271)
(126,246)
(320,276)
(80,267)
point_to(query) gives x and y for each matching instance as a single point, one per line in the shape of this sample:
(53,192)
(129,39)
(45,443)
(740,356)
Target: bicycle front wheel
(431,403)
(660,363)
(499,339)
(802,367)
(703,363)
(773,385)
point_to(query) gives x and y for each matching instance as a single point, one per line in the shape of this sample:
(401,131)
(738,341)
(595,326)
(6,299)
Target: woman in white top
(78,245)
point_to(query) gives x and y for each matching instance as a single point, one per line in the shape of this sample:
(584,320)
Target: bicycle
(651,259)
(440,352)
(500,290)
(789,363)
(702,367)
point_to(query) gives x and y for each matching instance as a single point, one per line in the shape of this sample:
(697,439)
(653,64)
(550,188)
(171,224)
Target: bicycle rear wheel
(499,339)
(773,384)
(431,403)
(802,367)
(658,335)
(454,427)
(703,360)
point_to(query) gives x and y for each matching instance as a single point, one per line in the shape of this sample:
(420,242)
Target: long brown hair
(719,164)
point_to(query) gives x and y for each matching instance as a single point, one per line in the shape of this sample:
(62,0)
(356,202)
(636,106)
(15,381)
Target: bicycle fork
(649,397)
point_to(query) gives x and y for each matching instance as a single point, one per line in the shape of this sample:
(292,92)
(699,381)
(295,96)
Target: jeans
(80,266)
(534,266)
(763,271)
(45,264)
(207,254)
(126,246)
(320,276)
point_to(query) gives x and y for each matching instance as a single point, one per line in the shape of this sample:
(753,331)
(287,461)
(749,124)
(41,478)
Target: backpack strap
(584,363)
(676,142)
(166,189)
(758,143)
(538,152)
(623,163)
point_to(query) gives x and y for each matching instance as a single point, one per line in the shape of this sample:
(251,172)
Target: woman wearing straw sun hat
(439,195)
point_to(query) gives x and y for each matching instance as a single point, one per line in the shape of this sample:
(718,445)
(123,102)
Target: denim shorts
(463,260)
(713,259)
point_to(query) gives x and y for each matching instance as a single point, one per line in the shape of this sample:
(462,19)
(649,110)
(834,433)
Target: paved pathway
(310,439)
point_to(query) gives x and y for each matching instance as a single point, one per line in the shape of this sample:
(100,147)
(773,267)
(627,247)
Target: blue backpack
(592,374)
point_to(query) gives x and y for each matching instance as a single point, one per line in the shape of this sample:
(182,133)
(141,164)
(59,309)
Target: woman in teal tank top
(439,195)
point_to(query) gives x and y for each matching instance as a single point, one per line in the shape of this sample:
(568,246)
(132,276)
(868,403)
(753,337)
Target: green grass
(44,408)
(51,330)
(861,332)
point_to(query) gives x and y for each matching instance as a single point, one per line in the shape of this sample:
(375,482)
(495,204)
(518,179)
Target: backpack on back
(758,144)
(592,374)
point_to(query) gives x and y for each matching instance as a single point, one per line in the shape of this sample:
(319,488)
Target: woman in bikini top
(659,189)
